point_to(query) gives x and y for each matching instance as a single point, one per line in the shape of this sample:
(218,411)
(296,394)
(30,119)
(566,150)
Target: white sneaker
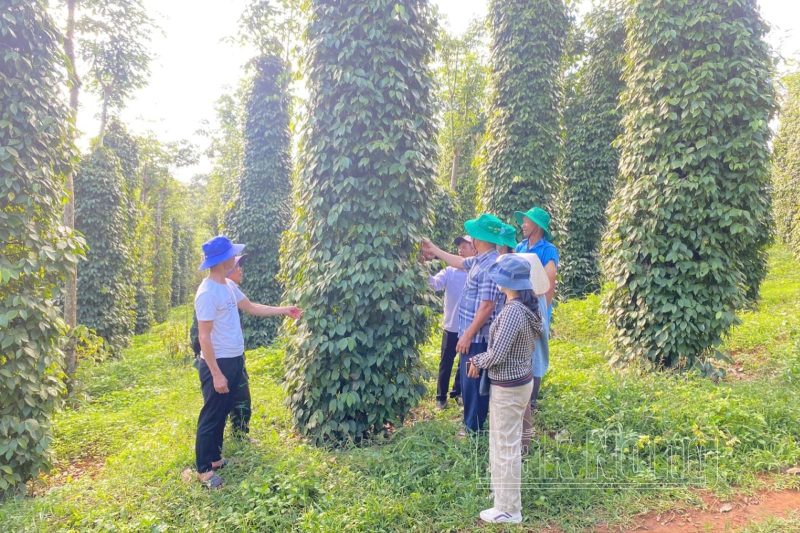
(494,516)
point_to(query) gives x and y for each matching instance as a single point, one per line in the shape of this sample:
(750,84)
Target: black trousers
(215,411)
(240,414)
(449,341)
(537,384)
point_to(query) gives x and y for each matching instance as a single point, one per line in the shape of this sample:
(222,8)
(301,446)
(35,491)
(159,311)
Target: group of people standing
(498,304)
(497,312)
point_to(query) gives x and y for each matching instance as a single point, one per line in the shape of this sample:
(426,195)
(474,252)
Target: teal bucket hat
(491,229)
(510,236)
(538,216)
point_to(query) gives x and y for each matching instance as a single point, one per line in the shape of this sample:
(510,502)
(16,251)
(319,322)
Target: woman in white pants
(508,362)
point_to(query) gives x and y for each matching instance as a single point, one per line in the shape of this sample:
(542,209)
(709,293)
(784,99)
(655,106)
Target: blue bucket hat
(512,272)
(219,249)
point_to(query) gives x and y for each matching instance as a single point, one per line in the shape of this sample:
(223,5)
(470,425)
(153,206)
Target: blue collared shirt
(478,288)
(544,249)
(546,252)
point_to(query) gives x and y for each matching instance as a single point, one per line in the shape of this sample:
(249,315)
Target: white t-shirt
(218,302)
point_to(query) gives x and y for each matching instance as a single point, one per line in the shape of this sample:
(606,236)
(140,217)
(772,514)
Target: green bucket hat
(491,229)
(538,216)
(510,236)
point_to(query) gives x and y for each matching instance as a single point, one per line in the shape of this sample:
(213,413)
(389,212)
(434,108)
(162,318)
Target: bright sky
(196,62)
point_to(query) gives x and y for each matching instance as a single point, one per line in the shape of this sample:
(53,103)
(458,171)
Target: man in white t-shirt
(240,416)
(221,366)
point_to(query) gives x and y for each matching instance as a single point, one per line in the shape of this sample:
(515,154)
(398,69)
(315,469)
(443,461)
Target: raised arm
(266,310)
(430,249)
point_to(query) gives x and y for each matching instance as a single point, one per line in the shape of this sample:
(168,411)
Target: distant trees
(461,76)
(786,170)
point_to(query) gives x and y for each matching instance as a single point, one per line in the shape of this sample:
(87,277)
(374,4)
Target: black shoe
(441,404)
(459,401)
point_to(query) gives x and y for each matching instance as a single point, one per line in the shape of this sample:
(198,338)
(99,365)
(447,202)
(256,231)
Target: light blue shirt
(541,350)
(451,281)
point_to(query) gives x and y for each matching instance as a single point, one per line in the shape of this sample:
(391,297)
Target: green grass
(133,425)
(790,524)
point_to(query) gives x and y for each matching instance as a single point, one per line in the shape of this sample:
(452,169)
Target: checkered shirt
(478,288)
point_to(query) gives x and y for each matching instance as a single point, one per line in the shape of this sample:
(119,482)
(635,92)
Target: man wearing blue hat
(221,366)
(240,416)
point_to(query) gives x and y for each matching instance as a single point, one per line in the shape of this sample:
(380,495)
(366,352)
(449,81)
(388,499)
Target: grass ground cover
(610,443)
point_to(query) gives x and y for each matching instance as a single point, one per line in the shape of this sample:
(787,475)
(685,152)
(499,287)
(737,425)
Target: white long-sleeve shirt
(451,281)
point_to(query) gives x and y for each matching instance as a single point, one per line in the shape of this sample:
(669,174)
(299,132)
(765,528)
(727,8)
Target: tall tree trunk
(454,168)
(71,292)
(103,117)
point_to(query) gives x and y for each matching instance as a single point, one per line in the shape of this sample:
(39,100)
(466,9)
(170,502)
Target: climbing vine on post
(106,294)
(590,162)
(693,162)
(261,210)
(367,164)
(36,251)
(124,146)
(786,172)
(523,134)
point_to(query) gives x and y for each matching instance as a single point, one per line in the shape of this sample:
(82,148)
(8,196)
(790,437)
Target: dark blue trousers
(449,341)
(476,407)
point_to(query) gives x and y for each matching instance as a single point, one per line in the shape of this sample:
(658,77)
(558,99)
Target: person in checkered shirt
(508,360)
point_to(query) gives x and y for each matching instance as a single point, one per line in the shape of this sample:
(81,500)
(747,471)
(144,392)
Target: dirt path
(717,516)
(66,472)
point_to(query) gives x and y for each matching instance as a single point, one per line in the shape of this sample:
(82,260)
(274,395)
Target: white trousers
(506,409)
